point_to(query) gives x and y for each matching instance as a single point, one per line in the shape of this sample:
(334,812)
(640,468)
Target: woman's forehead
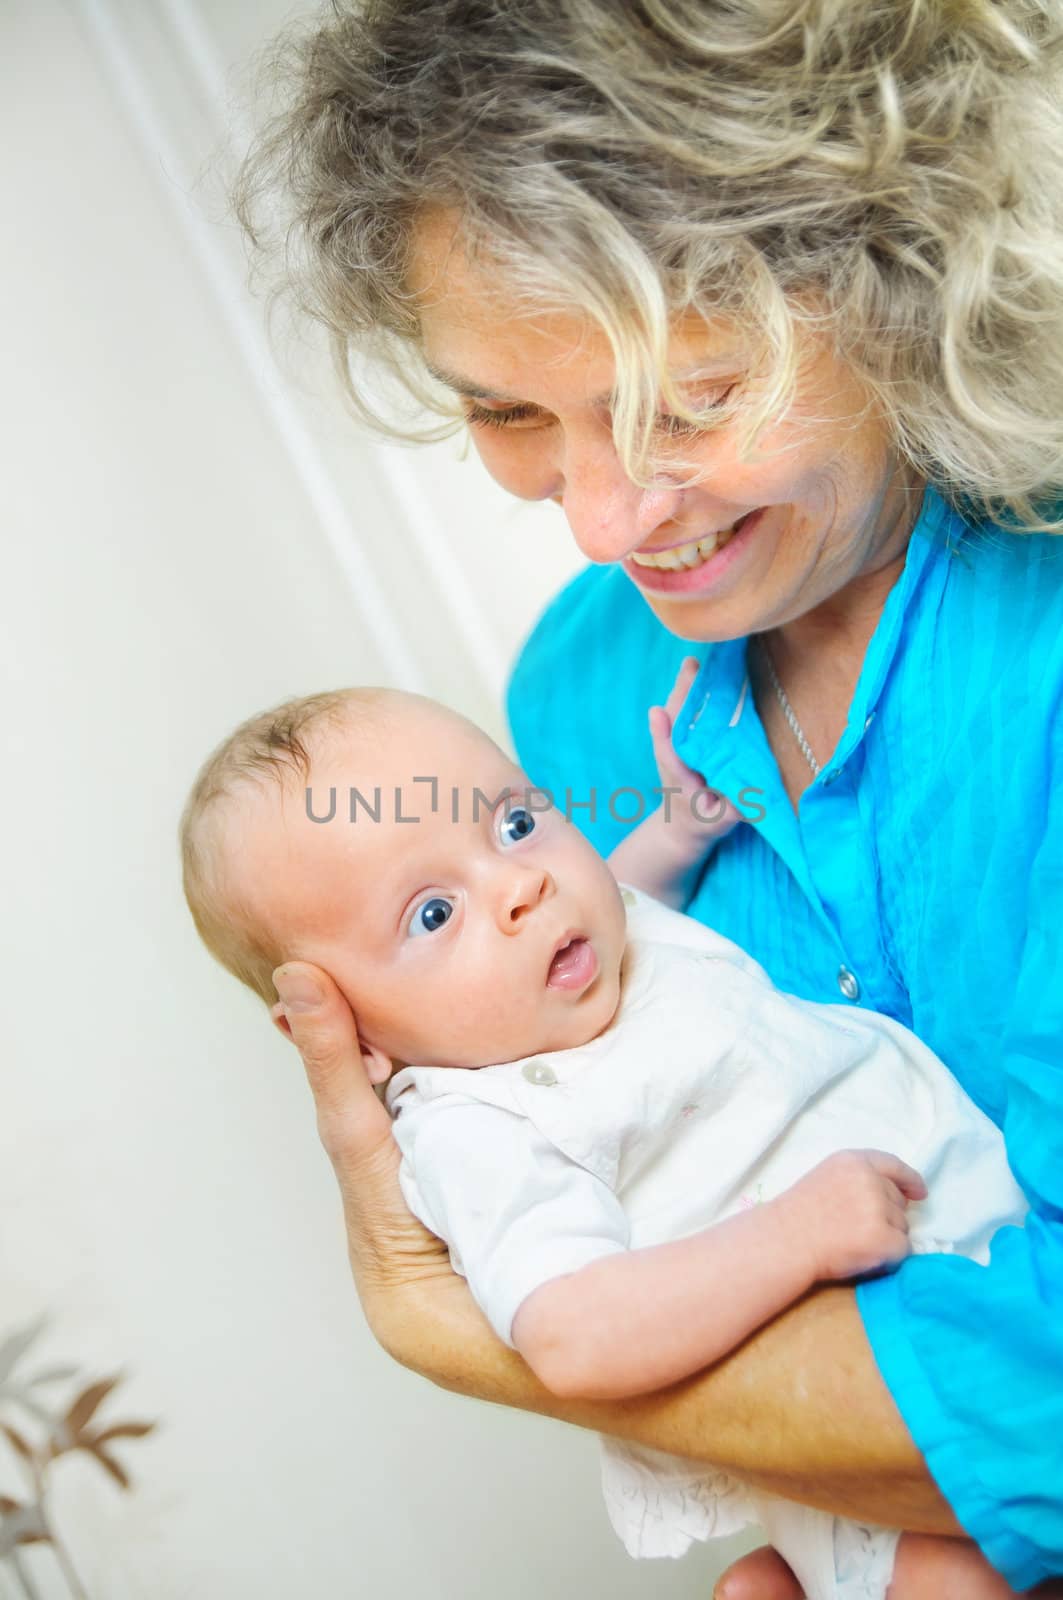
(474,317)
(465,304)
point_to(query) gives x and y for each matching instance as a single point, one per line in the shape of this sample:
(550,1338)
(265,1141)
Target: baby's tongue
(570,968)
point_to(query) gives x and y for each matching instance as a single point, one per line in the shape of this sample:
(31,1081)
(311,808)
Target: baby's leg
(932,1568)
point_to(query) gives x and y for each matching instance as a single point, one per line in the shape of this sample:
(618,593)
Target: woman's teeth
(686,555)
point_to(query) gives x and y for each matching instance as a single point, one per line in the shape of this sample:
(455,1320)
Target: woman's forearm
(799,1409)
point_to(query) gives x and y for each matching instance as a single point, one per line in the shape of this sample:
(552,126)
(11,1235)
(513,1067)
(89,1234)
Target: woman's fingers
(388,1247)
(760,1575)
(351,1120)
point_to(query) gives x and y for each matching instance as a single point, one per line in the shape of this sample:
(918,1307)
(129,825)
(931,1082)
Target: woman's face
(827,503)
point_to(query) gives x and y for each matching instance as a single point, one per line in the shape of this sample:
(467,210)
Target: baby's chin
(584,1018)
(587,1017)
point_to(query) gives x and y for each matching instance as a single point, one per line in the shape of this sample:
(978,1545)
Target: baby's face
(481,932)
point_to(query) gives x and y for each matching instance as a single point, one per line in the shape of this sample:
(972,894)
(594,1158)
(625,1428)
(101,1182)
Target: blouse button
(539,1072)
(847,983)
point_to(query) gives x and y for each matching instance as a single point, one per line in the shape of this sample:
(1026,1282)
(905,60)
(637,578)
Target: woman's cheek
(520,463)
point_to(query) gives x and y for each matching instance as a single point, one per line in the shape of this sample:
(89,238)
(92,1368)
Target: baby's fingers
(908,1181)
(669,766)
(688,671)
(662,723)
(897,1214)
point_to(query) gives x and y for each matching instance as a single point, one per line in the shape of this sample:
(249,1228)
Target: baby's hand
(853,1209)
(696,807)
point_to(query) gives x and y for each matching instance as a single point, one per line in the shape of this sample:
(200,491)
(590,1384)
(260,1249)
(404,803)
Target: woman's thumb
(325,1033)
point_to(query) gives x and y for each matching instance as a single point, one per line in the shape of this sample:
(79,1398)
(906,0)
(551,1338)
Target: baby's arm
(664,855)
(634,1322)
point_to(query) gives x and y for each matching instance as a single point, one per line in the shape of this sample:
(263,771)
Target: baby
(636,1148)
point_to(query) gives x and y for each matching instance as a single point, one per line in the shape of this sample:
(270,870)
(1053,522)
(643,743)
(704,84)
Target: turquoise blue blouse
(922,877)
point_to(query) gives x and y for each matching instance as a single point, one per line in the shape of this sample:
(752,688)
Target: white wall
(187,539)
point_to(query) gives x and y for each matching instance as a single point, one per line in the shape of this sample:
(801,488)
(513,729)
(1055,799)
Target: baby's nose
(523,890)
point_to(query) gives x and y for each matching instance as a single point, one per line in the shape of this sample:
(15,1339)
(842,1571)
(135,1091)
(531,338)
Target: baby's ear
(378,1066)
(280,1020)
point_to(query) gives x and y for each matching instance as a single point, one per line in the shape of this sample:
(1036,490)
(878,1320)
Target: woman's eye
(679,427)
(430,916)
(516,824)
(483,417)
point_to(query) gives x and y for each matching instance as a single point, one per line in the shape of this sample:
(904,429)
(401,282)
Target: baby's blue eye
(516,824)
(430,916)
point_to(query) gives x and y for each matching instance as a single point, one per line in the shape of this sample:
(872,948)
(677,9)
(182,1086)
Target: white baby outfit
(709,1091)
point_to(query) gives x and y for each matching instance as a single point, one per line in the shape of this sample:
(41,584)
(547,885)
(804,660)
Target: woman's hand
(389,1249)
(760,1575)
(417,1307)
(774,1412)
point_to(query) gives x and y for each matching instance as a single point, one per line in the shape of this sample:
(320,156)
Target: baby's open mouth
(573,966)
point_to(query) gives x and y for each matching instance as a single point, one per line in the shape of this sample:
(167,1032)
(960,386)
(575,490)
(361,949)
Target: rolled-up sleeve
(513,1210)
(973,1355)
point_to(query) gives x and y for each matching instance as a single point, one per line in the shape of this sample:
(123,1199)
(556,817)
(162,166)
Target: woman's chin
(705,621)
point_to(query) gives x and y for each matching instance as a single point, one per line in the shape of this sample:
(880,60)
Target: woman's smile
(749,541)
(696,567)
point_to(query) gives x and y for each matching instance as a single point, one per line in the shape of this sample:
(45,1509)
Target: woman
(769,298)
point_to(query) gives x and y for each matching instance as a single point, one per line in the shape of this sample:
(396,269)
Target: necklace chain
(787,709)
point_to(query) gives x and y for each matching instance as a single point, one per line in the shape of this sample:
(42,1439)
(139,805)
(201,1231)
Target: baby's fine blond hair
(272,748)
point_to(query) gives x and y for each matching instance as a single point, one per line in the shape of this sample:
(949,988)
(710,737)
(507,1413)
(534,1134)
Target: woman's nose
(610,516)
(521,889)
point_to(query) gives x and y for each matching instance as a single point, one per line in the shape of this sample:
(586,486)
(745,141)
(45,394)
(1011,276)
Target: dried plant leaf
(124,1430)
(16,1344)
(118,1473)
(25,1525)
(86,1403)
(17,1442)
(53,1374)
(16,1394)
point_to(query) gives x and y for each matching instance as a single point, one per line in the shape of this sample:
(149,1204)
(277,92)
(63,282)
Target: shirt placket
(823,842)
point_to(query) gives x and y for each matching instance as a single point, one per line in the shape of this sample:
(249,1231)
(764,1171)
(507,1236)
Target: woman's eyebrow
(465,386)
(703,371)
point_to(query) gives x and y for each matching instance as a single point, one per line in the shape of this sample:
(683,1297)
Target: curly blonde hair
(886,172)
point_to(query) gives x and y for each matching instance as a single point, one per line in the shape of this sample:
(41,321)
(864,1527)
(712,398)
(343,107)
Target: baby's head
(485,930)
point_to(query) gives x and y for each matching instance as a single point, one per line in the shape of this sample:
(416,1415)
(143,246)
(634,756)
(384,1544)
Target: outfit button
(847,983)
(539,1072)
(869,721)
(629,897)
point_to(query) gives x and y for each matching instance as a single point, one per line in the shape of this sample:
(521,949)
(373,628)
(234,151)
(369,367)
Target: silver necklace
(787,708)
